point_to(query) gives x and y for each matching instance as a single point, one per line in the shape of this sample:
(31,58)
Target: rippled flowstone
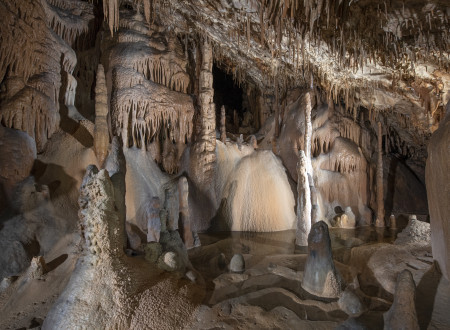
(321,277)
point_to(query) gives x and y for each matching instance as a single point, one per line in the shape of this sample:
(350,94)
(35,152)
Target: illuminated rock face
(437,178)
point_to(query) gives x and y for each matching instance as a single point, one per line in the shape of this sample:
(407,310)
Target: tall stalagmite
(184,219)
(314,208)
(101,135)
(203,157)
(223,129)
(303,203)
(380,201)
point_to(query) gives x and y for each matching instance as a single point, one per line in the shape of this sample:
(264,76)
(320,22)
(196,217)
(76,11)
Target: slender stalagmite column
(303,203)
(184,221)
(203,157)
(101,134)
(309,169)
(308,132)
(380,201)
(223,130)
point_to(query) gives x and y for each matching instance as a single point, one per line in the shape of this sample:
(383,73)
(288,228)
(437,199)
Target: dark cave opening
(227,93)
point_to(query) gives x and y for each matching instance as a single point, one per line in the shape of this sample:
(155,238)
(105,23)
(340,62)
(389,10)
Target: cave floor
(268,294)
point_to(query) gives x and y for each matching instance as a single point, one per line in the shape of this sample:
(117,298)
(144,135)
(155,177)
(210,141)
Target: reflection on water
(283,242)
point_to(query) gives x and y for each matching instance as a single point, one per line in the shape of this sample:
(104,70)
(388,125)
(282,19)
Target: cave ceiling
(390,58)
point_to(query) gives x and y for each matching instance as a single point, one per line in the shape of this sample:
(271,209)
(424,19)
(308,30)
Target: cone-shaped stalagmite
(303,203)
(380,201)
(101,134)
(321,277)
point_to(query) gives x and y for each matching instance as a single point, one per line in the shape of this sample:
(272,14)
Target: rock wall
(438,192)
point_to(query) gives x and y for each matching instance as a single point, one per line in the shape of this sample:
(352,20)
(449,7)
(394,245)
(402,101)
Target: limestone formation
(98,218)
(237,264)
(359,87)
(437,180)
(240,141)
(347,219)
(116,166)
(256,195)
(416,232)
(402,314)
(321,277)
(184,218)
(303,202)
(101,133)
(350,303)
(308,134)
(17,155)
(203,156)
(309,169)
(150,109)
(223,129)
(254,142)
(379,222)
(392,222)
(153,220)
(37,267)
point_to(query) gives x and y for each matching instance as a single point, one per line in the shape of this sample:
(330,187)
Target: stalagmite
(101,134)
(153,220)
(223,130)
(203,155)
(402,314)
(253,142)
(321,277)
(116,166)
(380,200)
(392,222)
(303,203)
(309,169)
(184,220)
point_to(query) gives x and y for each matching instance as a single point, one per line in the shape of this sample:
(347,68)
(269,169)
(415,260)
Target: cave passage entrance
(227,93)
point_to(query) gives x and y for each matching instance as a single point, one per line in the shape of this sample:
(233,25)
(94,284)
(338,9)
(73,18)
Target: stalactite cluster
(32,61)
(143,110)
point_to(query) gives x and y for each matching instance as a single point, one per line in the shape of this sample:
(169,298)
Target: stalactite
(142,109)
(380,198)
(111,14)
(303,203)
